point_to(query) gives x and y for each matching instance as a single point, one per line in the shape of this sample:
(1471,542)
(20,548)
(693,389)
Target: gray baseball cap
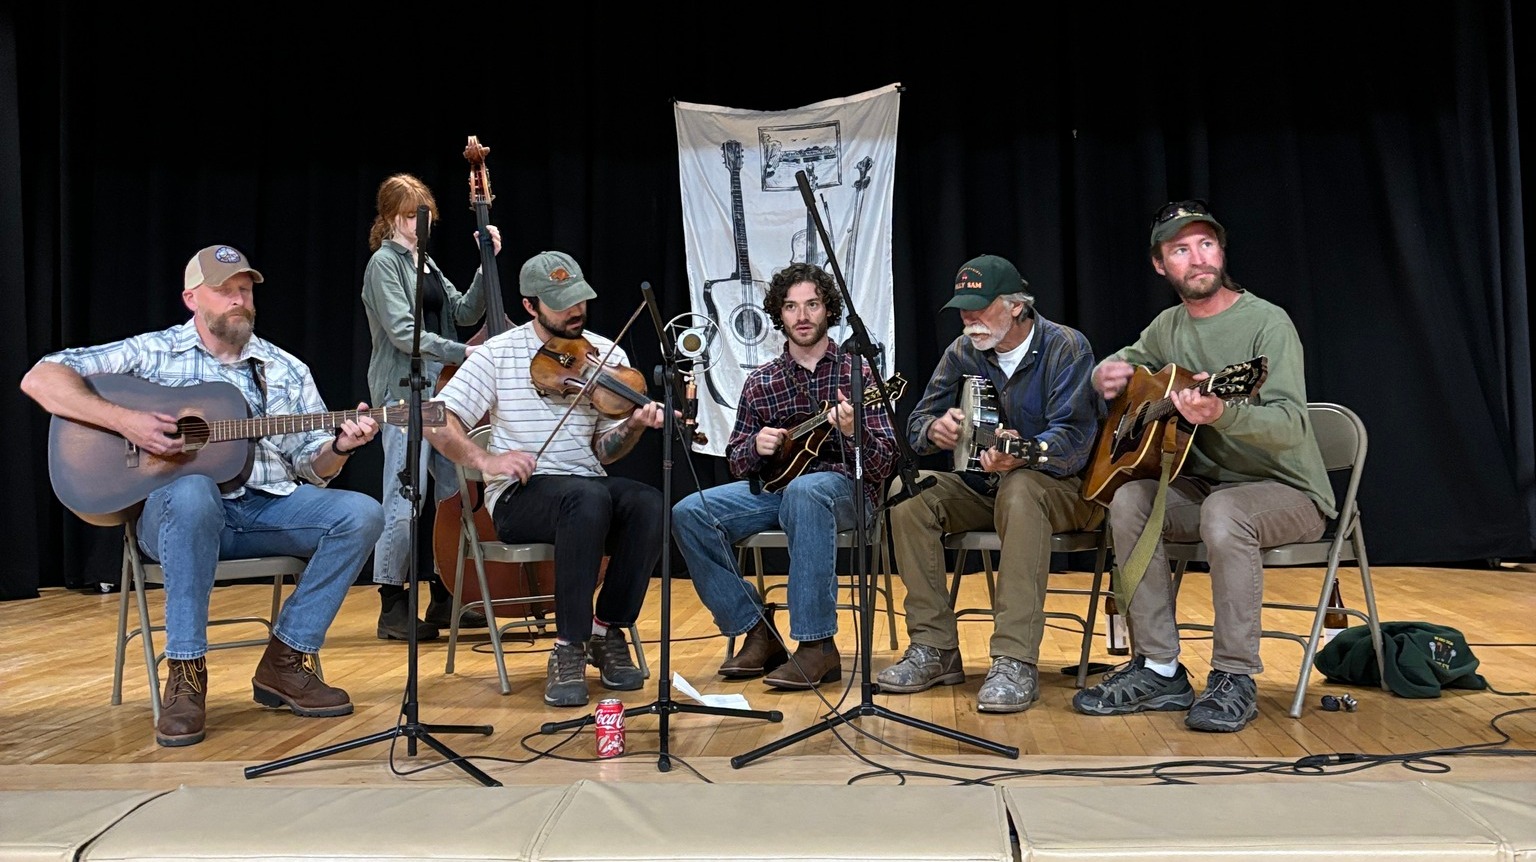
(556,279)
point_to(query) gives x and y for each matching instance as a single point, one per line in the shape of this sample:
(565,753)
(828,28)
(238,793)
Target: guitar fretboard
(265,426)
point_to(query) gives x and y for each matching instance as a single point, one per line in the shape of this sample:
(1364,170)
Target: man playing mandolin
(282,508)
(810,379)
(1253,478)
(1039,371)
(545,476)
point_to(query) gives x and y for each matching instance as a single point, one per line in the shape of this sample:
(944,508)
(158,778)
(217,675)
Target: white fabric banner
(745,218)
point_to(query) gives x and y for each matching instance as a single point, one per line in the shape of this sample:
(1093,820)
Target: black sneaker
(610,655)
(1229,702)
(440,613)
(565,682)
(1136,688)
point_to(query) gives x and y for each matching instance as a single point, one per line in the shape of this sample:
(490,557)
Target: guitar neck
(266,426)
(1163,407)
(739,228)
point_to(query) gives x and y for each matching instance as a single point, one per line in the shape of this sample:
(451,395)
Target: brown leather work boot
(761,651)
(184,708)
(814,663)
(286,677)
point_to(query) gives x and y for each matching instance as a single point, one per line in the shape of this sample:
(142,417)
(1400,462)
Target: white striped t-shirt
(495,380)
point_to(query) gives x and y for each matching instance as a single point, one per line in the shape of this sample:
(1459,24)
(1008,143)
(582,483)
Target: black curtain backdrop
(1365,161)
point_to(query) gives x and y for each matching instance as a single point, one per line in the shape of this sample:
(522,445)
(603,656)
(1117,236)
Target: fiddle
(571,366)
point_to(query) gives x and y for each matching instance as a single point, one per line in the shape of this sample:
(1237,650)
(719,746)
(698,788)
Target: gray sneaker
(610,655)
(1010,686)
(1229,702)
(1136,688)
(922,668)
(565,682)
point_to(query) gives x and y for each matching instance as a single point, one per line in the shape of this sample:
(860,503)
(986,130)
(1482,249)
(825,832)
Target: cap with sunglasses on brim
(1171,218)
(983,279)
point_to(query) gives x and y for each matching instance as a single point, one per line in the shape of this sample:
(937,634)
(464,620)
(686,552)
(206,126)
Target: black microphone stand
(863,347)
(666,374)
(409,726)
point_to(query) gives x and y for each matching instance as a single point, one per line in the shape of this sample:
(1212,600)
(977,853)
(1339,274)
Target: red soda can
(609,721)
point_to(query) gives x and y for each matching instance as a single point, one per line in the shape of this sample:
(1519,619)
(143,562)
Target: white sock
(598,629)
(1165,669)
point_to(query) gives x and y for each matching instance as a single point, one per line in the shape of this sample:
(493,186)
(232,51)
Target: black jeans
(586,517)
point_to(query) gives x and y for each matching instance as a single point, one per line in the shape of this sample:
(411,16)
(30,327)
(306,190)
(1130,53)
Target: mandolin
(807,433)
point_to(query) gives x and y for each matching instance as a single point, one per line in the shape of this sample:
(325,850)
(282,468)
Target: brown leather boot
(184,708)
(814,663)
(286,677)
(761,650)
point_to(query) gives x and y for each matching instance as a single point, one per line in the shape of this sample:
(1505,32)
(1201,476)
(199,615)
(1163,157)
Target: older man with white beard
(1041,373)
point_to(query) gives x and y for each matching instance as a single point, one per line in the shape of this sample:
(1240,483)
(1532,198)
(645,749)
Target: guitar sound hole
(194,432)
(749,324)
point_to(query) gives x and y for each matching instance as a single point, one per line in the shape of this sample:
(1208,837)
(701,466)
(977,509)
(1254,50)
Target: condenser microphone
(691,343)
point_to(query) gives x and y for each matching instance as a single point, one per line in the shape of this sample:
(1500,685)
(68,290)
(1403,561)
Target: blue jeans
(392,553)
(811,511)
(187,527)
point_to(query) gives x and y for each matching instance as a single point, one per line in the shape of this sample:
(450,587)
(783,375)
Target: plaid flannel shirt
(781,393)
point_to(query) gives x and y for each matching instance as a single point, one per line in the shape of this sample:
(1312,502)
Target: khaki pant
(1236,521)
(1028,508)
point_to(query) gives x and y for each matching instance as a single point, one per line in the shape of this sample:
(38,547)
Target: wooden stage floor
(58,729)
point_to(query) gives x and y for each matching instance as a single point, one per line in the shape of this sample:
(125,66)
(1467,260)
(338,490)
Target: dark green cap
(1173,216)
(983,279)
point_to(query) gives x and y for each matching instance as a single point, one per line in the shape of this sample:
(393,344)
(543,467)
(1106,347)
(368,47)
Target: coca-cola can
(608,719)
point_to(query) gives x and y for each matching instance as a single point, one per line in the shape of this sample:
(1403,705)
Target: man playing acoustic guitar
(1253,478)
(1039,371)
(283,507)
(810,377)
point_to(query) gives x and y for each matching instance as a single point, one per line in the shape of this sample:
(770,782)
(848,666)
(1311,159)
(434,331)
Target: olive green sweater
(1269,437)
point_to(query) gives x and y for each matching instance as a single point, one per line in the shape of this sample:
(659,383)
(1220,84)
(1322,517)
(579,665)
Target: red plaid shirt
(781,393)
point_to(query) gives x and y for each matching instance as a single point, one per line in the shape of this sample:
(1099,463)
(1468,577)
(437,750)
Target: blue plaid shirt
(1049,397)
(177,357)
(781,393)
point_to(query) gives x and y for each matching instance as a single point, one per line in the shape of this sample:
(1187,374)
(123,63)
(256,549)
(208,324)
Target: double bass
(506,581)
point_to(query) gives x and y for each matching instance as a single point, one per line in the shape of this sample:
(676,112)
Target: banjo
(981,428)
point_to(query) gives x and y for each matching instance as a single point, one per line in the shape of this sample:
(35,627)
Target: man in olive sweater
(1253,478)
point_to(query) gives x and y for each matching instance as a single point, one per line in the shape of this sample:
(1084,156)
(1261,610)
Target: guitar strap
(1141,553)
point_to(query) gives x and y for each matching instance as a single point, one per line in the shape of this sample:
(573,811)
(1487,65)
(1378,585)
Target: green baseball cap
(1171,218)
(983,279)
(555,279)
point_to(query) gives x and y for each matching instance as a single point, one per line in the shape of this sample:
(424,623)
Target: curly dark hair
(789,276)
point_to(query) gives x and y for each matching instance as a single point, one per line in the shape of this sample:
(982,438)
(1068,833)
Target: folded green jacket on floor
(1421,659)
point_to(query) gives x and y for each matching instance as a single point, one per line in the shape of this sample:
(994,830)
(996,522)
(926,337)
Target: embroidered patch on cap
(225,254)
(559,273)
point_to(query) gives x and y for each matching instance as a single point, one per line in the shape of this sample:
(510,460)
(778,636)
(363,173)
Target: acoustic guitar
(747,322)
(101,476)
(1130,443)
(807,433)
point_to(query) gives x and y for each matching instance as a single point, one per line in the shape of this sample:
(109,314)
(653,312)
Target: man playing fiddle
(561,495)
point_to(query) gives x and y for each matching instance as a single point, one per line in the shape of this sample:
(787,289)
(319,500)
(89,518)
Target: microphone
(691,343)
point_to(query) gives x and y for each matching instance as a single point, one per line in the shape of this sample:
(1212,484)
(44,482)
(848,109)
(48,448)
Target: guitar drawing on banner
(101,476)
(807,433)
(1130,444)
(746,323)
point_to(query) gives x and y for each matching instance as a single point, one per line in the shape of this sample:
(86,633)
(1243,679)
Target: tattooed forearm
(615,444)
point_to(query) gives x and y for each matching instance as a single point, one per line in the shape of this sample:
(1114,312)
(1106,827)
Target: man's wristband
(337,449)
